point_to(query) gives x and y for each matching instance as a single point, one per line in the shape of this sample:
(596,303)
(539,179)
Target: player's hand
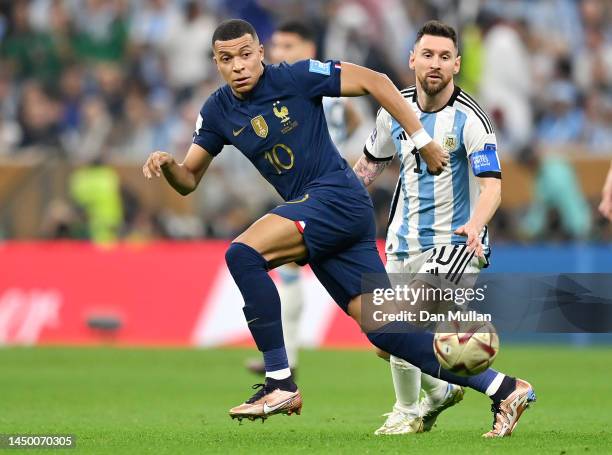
(435,157)
(473,239)
(605,207)
(154,163)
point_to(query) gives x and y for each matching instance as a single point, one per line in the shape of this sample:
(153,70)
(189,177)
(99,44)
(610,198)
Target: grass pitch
(169,401)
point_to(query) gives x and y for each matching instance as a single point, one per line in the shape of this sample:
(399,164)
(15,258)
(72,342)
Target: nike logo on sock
(252,320)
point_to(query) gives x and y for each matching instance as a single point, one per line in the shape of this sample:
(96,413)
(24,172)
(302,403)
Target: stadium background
(93,257)
(93,253)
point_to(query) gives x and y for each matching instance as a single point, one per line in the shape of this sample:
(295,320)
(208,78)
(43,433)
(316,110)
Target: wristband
(420,139)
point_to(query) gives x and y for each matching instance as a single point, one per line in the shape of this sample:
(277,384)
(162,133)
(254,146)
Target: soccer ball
(466,348)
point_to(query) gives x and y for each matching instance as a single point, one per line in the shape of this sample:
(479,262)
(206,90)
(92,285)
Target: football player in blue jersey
(273,114)
(291,42)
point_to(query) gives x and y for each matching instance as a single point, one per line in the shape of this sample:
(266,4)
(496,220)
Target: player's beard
(431,89)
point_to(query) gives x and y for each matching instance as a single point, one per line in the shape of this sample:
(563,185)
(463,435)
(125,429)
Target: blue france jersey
(427,209)
(280,127)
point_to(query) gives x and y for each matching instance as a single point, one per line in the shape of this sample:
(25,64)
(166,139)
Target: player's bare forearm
(357,81)
(179,178)
(183,177)
(487,203)
(367,170)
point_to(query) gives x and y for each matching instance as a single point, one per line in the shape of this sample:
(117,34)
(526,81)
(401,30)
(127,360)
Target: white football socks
(408,381)
(279,374)
(434,388)
(407,385)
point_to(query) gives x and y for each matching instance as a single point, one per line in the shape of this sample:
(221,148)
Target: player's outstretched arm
(605,207)
(357,81)
(486,206)
(183,177)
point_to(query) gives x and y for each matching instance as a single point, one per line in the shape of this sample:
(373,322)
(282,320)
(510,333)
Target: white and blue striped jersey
(427,209)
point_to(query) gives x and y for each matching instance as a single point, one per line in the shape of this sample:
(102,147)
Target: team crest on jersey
(450,142)
(282,112)
(260,126)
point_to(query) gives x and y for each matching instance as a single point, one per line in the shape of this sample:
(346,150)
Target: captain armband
(485,162)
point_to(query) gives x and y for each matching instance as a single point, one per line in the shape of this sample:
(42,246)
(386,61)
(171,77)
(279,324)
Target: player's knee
(240,257)
(232,255)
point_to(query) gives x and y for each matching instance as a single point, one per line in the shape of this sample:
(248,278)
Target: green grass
(176,401)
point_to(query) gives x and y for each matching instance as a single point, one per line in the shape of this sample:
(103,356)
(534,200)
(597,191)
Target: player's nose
(238,65)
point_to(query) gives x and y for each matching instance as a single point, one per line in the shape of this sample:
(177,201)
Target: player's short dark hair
(232,29)
(301,29)
(437,28)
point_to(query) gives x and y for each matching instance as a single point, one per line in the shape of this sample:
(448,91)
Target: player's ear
(261,52)
(411,60)
(457,66)
(214,55)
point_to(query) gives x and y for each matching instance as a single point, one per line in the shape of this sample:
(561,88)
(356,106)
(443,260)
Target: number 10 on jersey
(280,157)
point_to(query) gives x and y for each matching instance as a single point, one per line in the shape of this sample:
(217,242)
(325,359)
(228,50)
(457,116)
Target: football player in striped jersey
(438,224)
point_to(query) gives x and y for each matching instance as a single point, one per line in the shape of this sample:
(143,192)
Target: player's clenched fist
(435,157)
(154,163)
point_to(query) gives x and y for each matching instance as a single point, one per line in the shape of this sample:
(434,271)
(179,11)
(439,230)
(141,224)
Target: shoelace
(260,393)
(495,409)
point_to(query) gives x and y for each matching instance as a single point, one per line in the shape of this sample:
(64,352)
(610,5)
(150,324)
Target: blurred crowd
(97,82)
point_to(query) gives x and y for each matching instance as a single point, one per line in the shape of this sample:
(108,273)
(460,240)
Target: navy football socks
(506,387)
(263,314)
(417,348)
(262,308)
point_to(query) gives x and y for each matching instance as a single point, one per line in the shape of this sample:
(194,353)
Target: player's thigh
(351,272)
(276,238)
